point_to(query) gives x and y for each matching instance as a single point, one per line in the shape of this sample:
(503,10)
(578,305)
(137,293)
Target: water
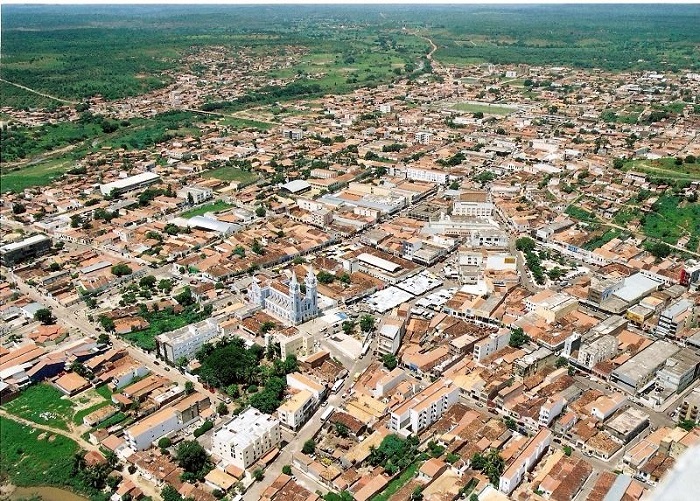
(46,493)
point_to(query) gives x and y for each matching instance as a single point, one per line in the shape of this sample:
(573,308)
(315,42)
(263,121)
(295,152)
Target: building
(294,411)
(424,409)
(495,342)
(390,334)
(184,342)
(427,175)
(130,183)
(551,409)
(286,302)
(602,349)
(628,424)
(679,371)
(690,407)
(675,317)
(31,247)
(424,137)
(637,373)
(473,204)
(293,134)
(527,459)
(300,381)
(168,420)
(195,194)
(246,438)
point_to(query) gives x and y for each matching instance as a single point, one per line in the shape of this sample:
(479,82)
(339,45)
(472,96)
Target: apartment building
(295,411)
(246,438)
(195,194)
(184,342)
(33,246)
(551,409)
(424,409)
(675,317)
(495,342)
(527,459)
(602,349)
(168,420)
(390,334)
(473,204)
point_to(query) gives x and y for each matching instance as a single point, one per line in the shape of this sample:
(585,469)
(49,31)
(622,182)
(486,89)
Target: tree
(343,496)
(348,327)
(309,447)
(107,324)
(561,362)
(478,115)
(690,159)
(164,443)
(181,362)
(260,211)
(567,450)
(257,247)
(44,316)
(390,361)
(367,323)
(324,277)
(454,185)
(222,409)
(18,208)
(148,282)
(660,250)
(473,497)
(185,298)
(258,475)
(518,338)
(168,493)
(287,470)
(618,163)
(189,387)
(192,457)
(687,424)
(121,270)
(525,244)
(491,463)
(103,339)
(342,430)
(165,285)
(417,494)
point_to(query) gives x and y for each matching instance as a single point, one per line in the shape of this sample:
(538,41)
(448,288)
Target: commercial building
(184,342)
(512,477)
(602,349)
(638,372)
(246,438)
(390,335)
(294,411)
(31,247)
(195,194)
(170,419)
(679,371)
(424,409)
(473,204)
(627,425)
(286,302)
(690,407)
(130,183)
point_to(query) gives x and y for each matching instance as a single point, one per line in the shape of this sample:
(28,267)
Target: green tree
(192,457)
(257,248)
(44,316)
(687,424)
(309,447)
(367,323)
(165,285)
(518,338)
(189,387)
(181,362)
(287,470)
(390,362)
(107,324)
(567,450)
(348,326)
(260,211)
(561,362)
(164,443)
(18,208)
(342,430)
(258,475)
(324,277)
(525,244)
(660,250)
(147,282)
(121,270)
(222,409)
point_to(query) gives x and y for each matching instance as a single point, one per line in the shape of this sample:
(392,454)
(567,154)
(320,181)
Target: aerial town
(438,289)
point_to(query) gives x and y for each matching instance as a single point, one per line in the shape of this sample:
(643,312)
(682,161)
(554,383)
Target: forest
(75,52)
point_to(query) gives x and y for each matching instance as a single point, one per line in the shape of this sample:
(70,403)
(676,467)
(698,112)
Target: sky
(321,2)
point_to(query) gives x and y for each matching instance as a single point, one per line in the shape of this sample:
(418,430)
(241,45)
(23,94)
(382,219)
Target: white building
(424,409)
(429,175)
(473,204)
(129,183)
(424,137)
(602,349)
(551,409)
(675,317)
(491,344)
(295,411)
(512,477)
(390,334)
(246,438)
(196,193)
(185,342)
(290,306)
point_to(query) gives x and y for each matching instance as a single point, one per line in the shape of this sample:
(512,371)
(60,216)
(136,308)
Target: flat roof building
(33,246)
(246,438)
(129,183)
(638,372)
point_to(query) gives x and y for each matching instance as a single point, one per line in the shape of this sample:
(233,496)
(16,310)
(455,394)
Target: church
(284,300)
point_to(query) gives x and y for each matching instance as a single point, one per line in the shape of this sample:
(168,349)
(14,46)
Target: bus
(365,349)
(327,413)
(337,385)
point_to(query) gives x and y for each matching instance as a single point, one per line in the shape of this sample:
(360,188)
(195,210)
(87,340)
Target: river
(46,493)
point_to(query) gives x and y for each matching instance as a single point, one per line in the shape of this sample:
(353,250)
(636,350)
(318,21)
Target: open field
(485,108)
(671,219)
(397,483)
(665,168)
(231,174)
(32,457)
(243,123)
(40,174)
(43,404)
(212,207)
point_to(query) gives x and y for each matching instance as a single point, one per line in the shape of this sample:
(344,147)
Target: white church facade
(284,300)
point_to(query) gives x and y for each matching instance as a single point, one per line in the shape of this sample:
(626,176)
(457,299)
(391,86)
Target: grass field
(243,123)
(398,482)
(40,174)
(31,457)
(231,174)
(217,206)
(665,168)
(486,109)
(42,404)
(602,239)
(164,321)
(671,219)
(580,214)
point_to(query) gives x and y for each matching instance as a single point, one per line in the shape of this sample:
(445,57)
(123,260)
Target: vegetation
(397,483)
(491,464)
(309,447)
(217,206)
(394,453)
(390,361)
(43,404)
(192,458)
(165,320)
(518,338)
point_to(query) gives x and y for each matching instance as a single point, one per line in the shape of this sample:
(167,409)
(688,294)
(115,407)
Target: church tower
(311,292)
(294,299)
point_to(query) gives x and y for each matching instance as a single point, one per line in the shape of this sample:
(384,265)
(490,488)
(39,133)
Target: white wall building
(129,183)
(246,438)
(424,409)
(512,477)
(297,409)
(473,204)
(185,342)
(292,307)
(491,344)
(197,194)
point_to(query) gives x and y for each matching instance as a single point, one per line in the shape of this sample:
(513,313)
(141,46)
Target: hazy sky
(287,2)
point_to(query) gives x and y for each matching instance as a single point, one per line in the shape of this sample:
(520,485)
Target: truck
(337,385)
(327,413)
